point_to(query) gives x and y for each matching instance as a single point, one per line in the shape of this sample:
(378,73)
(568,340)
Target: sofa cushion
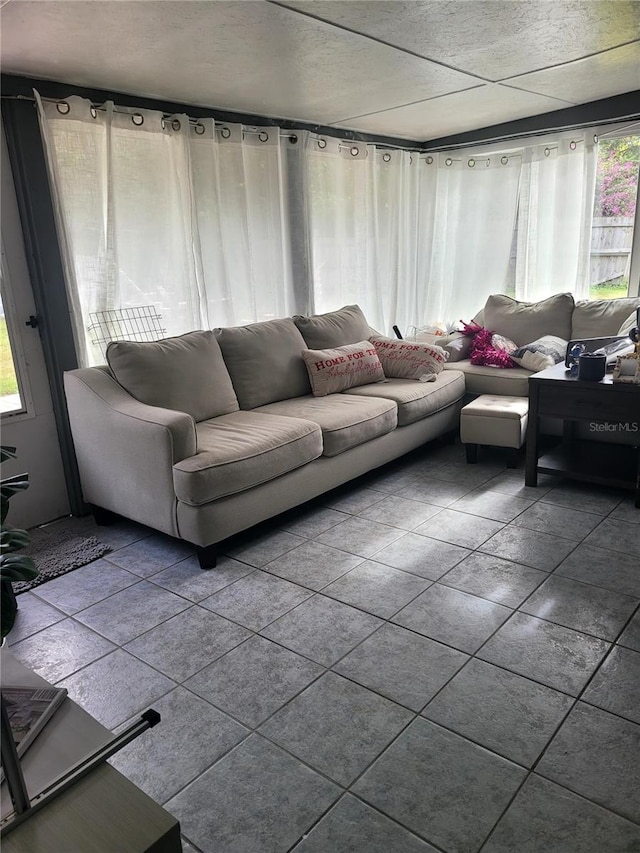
(630,322)
(409,359)
(524,322)
(480,379)
(185,373)
(599,318)
(264,361)
(242,450)
(335,329)
(341,368)
(417,400)
(345,420)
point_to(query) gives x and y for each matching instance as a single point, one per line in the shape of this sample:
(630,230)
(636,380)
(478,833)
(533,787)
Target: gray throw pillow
(540,354)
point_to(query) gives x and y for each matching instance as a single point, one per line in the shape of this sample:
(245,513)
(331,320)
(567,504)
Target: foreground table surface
(103,812)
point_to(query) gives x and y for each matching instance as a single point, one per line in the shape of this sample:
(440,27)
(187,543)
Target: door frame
(29,169)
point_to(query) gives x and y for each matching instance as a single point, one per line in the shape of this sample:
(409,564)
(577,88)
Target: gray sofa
(525,322)
(205,435)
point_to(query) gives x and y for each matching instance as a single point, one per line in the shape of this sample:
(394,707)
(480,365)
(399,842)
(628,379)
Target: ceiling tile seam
(381,41)
(569,62)
(409,104)
(540,94)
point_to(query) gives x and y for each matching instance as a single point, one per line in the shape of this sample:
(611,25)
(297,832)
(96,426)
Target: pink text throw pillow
(408,360)
(333,370)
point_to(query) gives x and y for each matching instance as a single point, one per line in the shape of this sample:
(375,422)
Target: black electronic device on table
(634,333)
(611,347)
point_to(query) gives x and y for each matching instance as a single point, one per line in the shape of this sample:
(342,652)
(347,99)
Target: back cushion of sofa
(524,322)
(599,318)
(335,329)
(265,361)
(186,373)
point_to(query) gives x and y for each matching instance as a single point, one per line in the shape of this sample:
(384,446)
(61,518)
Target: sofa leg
(103,517)
(513,454)
(471,451)
(207,556)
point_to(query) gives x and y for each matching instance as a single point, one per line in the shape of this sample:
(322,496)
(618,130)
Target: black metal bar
(81,768)
(11,764)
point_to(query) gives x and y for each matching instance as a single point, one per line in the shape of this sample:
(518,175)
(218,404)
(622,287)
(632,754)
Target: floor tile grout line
(387,621)
(587,799)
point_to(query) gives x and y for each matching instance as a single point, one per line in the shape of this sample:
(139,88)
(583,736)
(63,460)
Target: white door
(26,412)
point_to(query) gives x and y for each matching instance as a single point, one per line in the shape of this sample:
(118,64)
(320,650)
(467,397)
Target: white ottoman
(496,421)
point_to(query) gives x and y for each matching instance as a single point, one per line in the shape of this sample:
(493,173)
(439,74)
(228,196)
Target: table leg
(531,463)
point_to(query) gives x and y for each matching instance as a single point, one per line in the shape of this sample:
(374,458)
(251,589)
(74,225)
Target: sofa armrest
(125,449)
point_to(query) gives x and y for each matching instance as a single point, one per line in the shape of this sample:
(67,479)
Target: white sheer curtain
(220,224)
(363,221)
(555,217)
(187,218)
(239,183)
(467,214)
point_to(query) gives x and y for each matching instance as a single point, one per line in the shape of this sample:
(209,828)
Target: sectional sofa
(205,435)
(525,323)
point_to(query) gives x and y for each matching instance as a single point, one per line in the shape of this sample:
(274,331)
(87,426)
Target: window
(10,398)
(614,211)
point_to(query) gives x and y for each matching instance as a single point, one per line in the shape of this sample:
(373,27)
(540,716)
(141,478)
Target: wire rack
(142,323)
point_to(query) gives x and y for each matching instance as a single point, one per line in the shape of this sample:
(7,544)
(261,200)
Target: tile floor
(435,658)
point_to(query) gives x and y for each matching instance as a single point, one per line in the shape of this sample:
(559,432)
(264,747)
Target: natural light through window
(10,400)
(613,216)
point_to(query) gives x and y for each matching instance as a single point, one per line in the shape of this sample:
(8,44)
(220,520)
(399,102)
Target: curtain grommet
(93,112)
(471,162)
(504,160)
(547,151)
(63,108)
(225,132)
(198,128)
(386,157)
(137,119)
(263,136)
(354,151)
(293,139)
(573,145)
(322,143)
(175,124)
(428,160)
(448,162)
(595,138)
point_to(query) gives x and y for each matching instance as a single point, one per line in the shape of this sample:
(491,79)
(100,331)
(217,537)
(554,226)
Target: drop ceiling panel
(610,73)
(490,104)
(495,39)
(246,56)
(278,59)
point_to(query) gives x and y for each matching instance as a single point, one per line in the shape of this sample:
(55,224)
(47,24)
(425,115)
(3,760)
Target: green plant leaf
(13,539)
(17,568)
(7,613)
(7,452)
